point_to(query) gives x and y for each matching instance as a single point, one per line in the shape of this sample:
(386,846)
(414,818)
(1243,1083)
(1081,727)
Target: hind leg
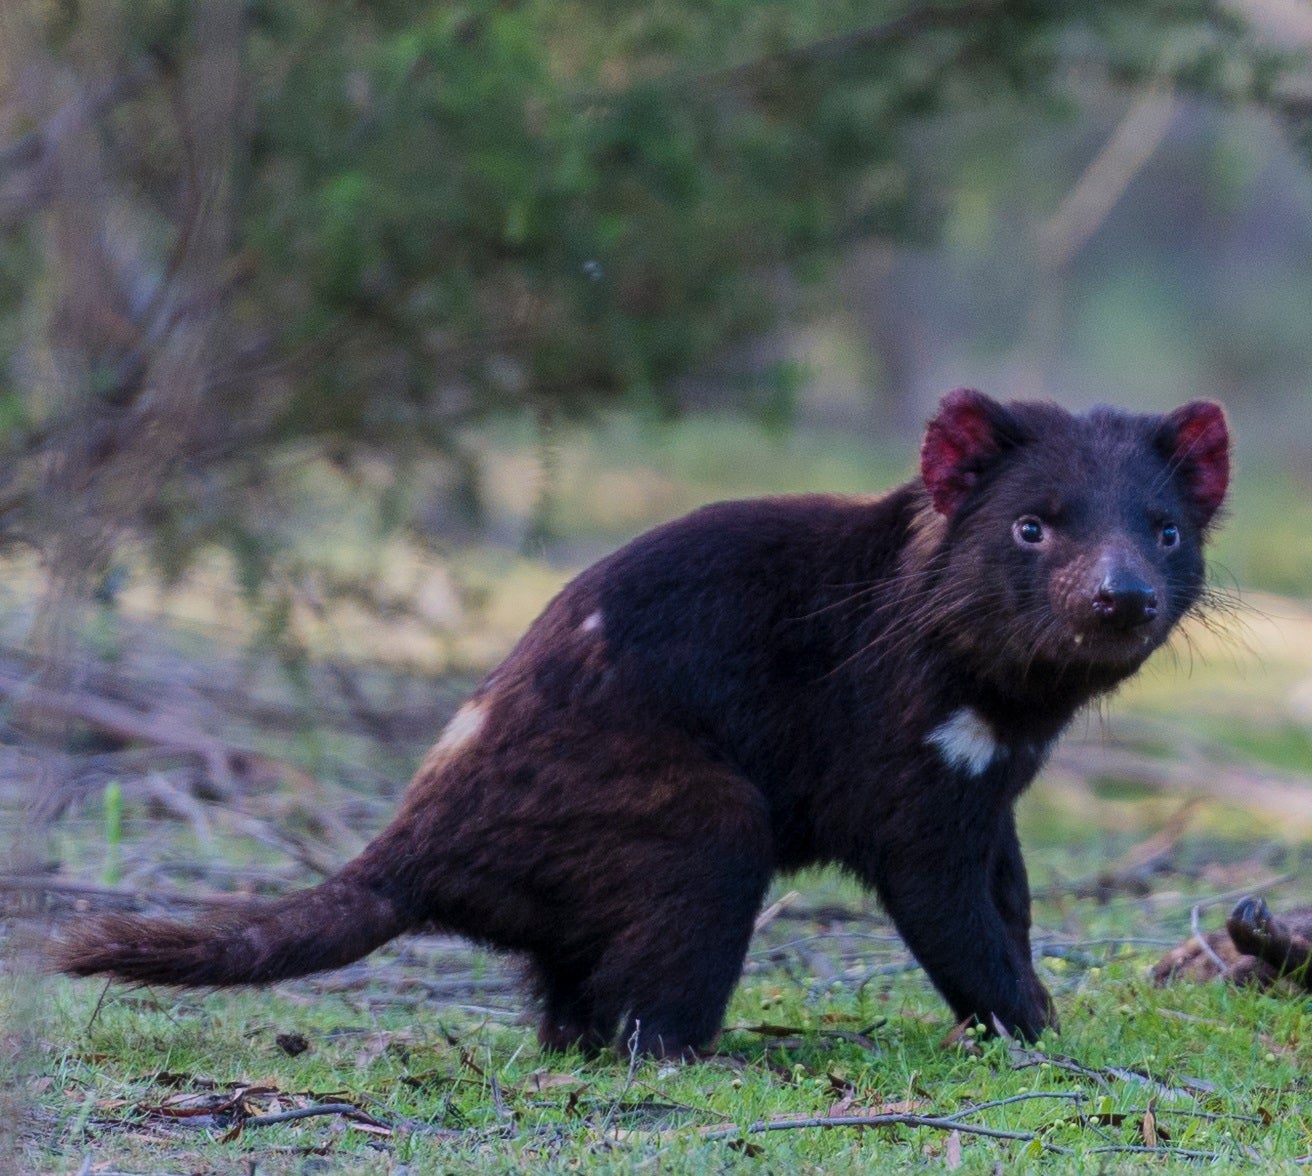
(568,1010)
(674,891)
(666,978)
(628,865)
(668,857)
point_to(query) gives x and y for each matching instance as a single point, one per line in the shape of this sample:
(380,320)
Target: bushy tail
(313,930)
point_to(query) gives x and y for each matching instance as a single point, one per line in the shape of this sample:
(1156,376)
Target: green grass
(827,1020)
(463,1088)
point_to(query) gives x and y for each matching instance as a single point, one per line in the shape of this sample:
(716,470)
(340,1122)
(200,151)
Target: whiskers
(911,613)
(1223,615)
(1013,634)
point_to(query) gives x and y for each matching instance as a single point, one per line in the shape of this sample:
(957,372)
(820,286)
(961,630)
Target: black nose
(1123,601)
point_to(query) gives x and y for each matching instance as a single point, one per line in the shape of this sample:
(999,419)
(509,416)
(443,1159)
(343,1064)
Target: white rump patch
(464,726)
(591,622)
(966,741)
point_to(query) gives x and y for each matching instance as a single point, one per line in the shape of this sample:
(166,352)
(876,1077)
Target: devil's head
(1071,541)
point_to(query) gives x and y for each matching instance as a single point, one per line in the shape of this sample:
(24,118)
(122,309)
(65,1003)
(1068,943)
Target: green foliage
(402,218)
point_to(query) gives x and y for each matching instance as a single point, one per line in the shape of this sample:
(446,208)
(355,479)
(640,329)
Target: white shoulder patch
(462,729)
(966,741)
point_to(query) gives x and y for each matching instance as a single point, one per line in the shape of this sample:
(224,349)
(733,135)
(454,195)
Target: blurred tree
(234,235)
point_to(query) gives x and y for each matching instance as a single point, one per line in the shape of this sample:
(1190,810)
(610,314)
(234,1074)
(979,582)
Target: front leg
(1011,895)
(956,891)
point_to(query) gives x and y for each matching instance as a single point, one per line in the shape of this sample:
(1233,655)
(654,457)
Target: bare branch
(874,1120)
(1105,180)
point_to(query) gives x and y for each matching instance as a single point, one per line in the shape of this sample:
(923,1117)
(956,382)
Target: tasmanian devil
(757,687)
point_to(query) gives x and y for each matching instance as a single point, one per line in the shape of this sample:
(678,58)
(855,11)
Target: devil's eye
(1170,535)
(1027,529)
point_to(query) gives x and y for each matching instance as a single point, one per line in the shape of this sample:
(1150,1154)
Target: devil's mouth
(1112,646)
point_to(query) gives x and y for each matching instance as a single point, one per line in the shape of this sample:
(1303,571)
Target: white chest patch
(966,741)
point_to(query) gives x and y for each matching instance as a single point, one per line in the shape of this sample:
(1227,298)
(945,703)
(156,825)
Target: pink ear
(1198,444)
(960,438)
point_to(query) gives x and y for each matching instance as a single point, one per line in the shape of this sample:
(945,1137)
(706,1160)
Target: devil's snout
(1122,598)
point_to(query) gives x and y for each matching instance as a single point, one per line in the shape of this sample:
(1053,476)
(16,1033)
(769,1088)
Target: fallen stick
(347,1109)
(898,1120)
